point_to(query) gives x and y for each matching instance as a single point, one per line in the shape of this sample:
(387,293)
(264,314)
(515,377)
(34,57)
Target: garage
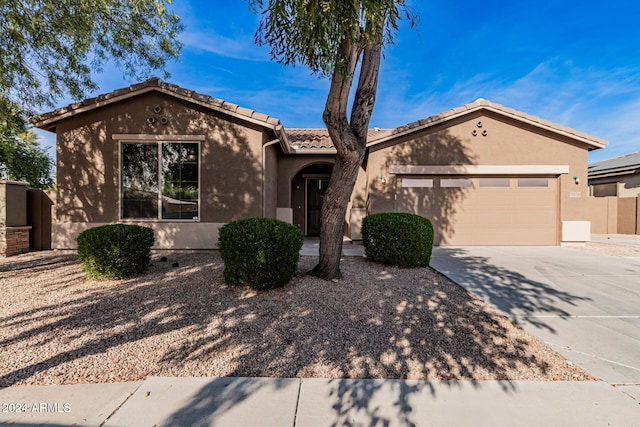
(484,209)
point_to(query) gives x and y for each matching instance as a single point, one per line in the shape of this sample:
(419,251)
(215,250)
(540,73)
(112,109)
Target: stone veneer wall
(14,240)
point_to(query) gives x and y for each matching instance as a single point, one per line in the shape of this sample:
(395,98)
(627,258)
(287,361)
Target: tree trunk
(334,210)
(350,140)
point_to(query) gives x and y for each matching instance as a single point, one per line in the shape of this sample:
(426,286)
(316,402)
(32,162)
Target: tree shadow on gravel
(378,322)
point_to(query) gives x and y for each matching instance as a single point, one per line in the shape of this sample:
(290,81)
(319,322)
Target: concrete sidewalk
(320,402)
(311,247)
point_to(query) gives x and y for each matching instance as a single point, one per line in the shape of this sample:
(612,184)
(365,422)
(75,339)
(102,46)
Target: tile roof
(592,141)
(627,163)
(318,138)
(47,120)
(302,140)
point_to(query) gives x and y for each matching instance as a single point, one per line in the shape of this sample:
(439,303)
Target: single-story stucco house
(185,163)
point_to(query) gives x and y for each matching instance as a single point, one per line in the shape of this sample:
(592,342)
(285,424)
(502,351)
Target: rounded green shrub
(262,253)
(115,251)
(400,239)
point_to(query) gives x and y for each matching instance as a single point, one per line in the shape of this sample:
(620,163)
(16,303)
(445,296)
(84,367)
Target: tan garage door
(484,210)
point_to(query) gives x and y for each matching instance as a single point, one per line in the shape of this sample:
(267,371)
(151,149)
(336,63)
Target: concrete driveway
(585,306)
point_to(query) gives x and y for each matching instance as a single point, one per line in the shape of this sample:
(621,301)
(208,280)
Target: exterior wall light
(382,180)
(576,179)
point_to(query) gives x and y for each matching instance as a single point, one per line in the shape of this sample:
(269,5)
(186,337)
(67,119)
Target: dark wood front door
(316,188)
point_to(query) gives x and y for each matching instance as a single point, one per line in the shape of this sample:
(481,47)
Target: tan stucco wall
(614,215)
(603,214)
(168,235)
(88,159)
(507,142)
(627,215)
(270,171)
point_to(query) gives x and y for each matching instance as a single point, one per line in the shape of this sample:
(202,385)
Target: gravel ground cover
(608,249)
(56,327)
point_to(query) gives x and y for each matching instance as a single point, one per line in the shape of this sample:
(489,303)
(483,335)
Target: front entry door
(316,187)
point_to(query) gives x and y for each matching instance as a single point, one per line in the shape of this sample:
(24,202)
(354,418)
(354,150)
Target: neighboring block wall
(613,215)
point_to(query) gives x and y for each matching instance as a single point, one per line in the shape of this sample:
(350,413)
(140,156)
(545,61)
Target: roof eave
(48,123)
(613,172)
(592,143)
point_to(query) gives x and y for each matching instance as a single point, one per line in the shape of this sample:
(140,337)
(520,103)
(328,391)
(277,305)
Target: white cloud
(602,102)
(238,47)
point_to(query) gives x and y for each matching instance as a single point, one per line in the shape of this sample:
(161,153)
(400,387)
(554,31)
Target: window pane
(180,180)
(533,183)
(421,183)
(455,183)
(488,182)
(139,181)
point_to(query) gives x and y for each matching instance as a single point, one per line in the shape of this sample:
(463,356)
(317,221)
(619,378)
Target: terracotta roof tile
(229,106)
(200,97)
(244,111)
(260,116)
(50,117)
(318,138)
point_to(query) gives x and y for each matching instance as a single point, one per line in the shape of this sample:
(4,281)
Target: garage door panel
(487,215)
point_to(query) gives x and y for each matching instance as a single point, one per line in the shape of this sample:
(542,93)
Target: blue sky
(576,63)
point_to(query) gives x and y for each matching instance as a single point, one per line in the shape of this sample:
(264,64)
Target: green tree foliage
(21,157)
(48,48)
(333,37)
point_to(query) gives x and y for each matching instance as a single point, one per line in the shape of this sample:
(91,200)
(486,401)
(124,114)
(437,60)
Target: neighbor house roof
(627,164)
(591,141)
(49,120)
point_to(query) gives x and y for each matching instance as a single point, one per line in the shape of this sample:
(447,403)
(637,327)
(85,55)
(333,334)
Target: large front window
(160,180)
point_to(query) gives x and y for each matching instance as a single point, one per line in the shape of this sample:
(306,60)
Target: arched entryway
(307,193)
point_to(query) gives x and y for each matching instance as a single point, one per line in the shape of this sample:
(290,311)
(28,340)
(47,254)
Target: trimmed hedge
(262,253)
(400,239)
(115,251)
